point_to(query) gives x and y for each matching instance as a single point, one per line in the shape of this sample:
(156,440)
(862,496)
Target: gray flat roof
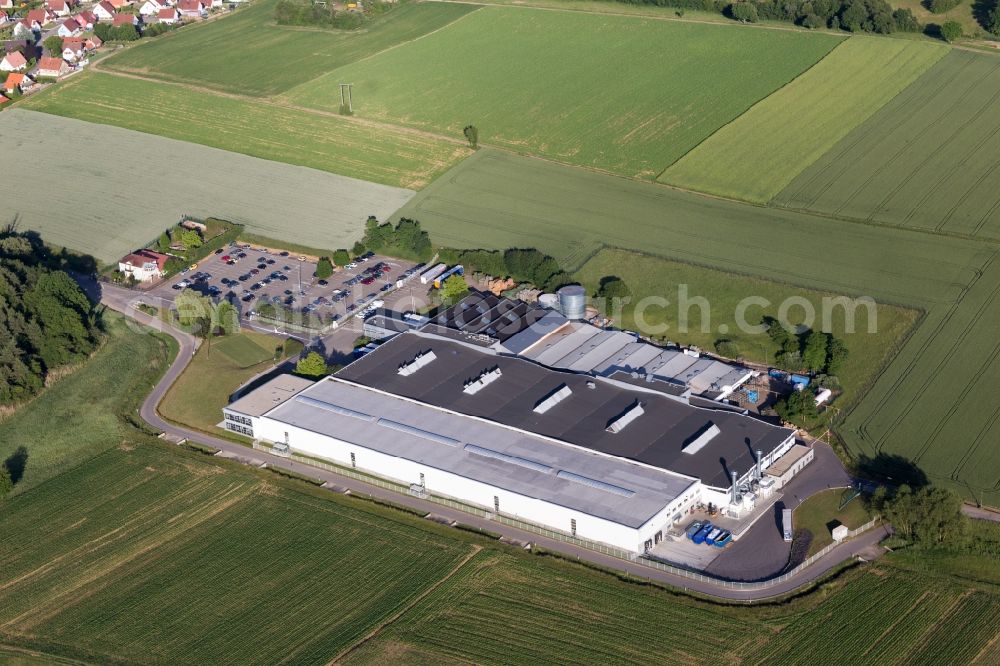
(655,438)
(265,397)
(476,449)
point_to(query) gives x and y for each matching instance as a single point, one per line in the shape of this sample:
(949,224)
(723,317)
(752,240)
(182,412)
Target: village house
(6,4)
(151,7)
(23,30)
(58,7)
(104,11)
(52,68)
(86,20)
(68,28)
(143,265)
(37,18)
(125,19)
(169,16)
(13,62)
(191,8)
(73,51)
(92,43)
(119,4)
(4,17)
(16,82)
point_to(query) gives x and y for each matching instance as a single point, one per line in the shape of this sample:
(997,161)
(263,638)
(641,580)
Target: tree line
(326,14)
(876,16)
(520,264)
(46,321)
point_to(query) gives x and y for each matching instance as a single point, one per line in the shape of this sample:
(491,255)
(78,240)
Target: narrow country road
(121,300)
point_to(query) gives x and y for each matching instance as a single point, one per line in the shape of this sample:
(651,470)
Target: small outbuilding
(840,532)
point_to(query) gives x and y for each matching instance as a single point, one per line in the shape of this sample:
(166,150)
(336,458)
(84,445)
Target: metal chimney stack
(735,496)
(760,464)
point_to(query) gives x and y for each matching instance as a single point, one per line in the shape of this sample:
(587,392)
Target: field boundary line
(675,19)
(405,609)
(385,50)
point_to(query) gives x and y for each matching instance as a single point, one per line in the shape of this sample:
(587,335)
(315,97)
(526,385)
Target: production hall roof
(602,486)
(597,413)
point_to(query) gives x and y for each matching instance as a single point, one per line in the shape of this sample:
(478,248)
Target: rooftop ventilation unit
(594,483)
(553,399)
(629,415)
(707,434)
(487,377)
(418,432)
(420,361)
(336,409)
(507,458)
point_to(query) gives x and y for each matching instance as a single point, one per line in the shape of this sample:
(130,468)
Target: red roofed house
(38,17)
(22,30)
(104,11)
(143,265)
(72,51)
(58,7)
(168,16)
(16,82)
(52,68)
(92,43)
(118,4)
(125,19)
(13,62)
(86,20)
(3,100)
(194,8)
(3,17)
(6,4)
(68,28)
(152,7)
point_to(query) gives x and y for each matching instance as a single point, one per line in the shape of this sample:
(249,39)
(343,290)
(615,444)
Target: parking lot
(251,277)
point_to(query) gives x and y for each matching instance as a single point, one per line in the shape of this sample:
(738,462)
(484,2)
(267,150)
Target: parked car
(254,271)
(220,250)
(225,257)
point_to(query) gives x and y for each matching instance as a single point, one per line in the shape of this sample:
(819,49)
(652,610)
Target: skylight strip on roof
(330,407)
(594,483)
(514,460)
(418,432)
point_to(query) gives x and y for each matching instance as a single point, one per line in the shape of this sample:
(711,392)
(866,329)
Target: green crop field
(625,94)
(248,53)
(648,275)
(510,610)
(760,152)
(246,350)
(154,181)
(150,555)
(320,141)
(933,403)
(928,159)
(81,414)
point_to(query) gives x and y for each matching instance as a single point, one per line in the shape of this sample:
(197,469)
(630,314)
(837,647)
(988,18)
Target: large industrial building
(608,456)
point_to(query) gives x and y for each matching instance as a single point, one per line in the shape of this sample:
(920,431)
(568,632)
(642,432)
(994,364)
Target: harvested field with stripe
(930,159)
(759,153)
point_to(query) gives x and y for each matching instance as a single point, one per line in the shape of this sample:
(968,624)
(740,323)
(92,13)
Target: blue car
(694,528)
(723,539)
(700,535)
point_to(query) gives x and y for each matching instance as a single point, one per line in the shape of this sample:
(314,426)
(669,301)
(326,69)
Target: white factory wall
(467,490)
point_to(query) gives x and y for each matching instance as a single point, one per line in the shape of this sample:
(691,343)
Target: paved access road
(121,300)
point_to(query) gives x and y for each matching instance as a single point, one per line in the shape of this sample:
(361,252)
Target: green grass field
(81,414)
(246,350)
(625,94)
(511,610)
(325,142)
(197,397)
(759,153)
(933,403)
(927,160)
(648,275)
(819,513)
(155,556)
(248,53)
(271,199)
